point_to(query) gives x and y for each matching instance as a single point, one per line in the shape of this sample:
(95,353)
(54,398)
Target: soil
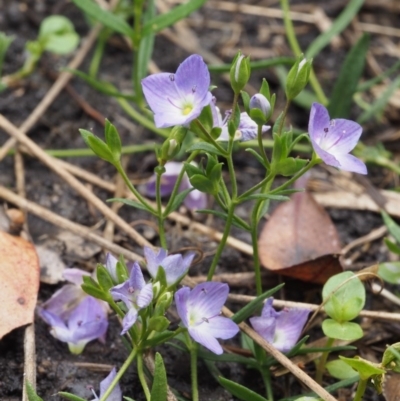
(57,369)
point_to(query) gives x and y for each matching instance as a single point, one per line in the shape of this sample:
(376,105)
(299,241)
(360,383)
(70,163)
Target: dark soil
(57,369)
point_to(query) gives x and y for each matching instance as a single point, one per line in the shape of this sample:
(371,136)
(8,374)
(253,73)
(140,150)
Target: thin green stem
(362,385)
(261,146)
(120,373)
(98,52)
(142,378)
(161,230)
(255,188)
(322,361)
(210,138)
(294,44)
(269,144)
(232,174)
(266,376)
(193,370)
(285,110)
(221,245)
(135,192)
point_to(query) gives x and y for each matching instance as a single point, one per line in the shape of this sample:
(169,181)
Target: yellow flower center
(186,110)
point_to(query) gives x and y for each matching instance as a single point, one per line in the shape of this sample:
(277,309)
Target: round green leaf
(366,369)
(348,331)
(340,370)
(344,301)
(390,272)
(390,360)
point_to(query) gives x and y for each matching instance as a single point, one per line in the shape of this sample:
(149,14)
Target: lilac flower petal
(145,296)
(328,158)
(168,180)
(196,200)
(193,79)
(129,320)
(319,120)
(268,310)
(206,300)
(51,319)
(121,292)
(265,327)
(220,327)
(116,393)
(181,300)
(75,276)
(111,266)
(351,163)
(136,279)
(289,326)
(89,331)
(154,259)
(88,310)
(64,300)
(206,339)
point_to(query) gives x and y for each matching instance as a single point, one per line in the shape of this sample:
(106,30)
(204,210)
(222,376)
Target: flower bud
(259,109)
(298,77)
(172,144)
(240,72)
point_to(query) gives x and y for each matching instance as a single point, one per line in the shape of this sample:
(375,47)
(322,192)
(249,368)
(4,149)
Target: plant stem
(193,370)
(161,230)
(142,378)
(261,146)
(266,376)
(210,138)
(120,373)
(362,385)
(231,210)
(134,190)
(322,362)
(294,44)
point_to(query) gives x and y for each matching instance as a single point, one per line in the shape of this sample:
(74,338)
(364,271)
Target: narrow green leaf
(391,225)
(113,140)
(257,156)
(254,305)
(228,358)
(205,147)
(255,65)
(132,203)
(5,42)
(104,278)
(239,391)
(95,292)
(224,216)
(177,201)
(394,248)
(349,76)
(267,196)
(69,396)
(340,23)
(107,18)
(159,388)
(364,86)
(99,147)
(378,106)
(162,21)
(32,396)
(390,272)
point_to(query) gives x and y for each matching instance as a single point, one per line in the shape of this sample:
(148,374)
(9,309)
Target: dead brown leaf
(391,387)
(299,240)
(19,275)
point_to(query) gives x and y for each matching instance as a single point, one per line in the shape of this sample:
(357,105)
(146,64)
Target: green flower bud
(298,77)
(259,109)
(240,72)
(172,144)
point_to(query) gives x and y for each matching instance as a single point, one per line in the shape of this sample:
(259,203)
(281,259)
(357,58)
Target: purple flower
(200,311)
(175,266)
(87,322)
(177,99)
(282,329)
(194,200)
(116,393)
(135,294)
(111,266)
(332,140)
(246,131)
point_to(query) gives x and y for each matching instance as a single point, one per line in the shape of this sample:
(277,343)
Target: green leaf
(279,198)
(32,396)
(69,396)
(179,198)
(394,248)
(391,358)
(391,225)
(364,86)
(159,388)
(157,339)
(257,156)
(95,292)
(348,331)
(162,21)
(239,391)
(107,18)
(158,323)
(254,305)
(236,222)
(228,358)
(340,369)
(113,140)
(203,184)
(345,295)
(146,46)
(290,166)
(205,147)
(340,23)
(103,277)
(346,85)
(378,106)
(246,100)
(390,272)
(98,147)
(132,203)
(365,368)
(5,42)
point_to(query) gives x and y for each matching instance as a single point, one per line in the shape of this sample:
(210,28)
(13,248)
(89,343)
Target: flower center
(186,110)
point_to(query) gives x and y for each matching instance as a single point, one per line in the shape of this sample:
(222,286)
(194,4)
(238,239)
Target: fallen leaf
(391,387)
(299,240)
(19,275)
